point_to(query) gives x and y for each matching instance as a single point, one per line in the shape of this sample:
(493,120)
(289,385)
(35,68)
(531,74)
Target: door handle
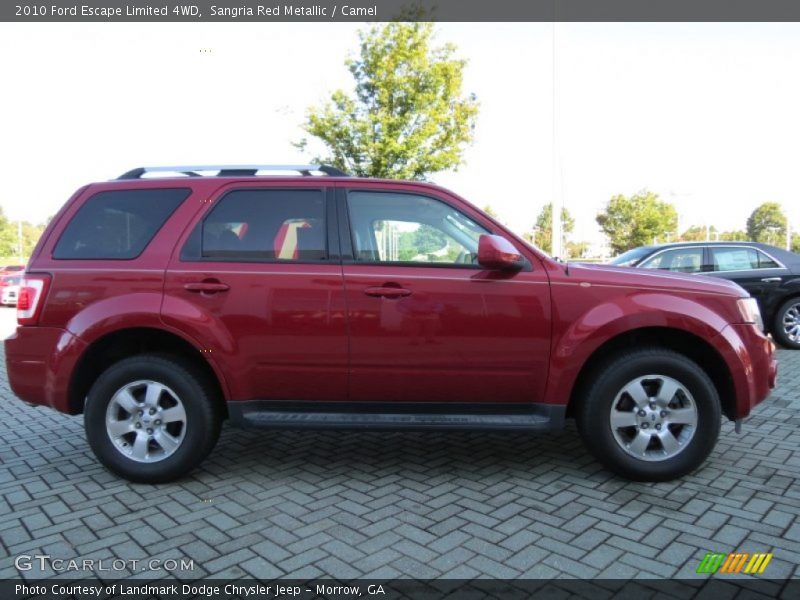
(387,292)
(771,279)
(207,287)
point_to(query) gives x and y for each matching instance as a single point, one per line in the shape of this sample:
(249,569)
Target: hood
(646,278)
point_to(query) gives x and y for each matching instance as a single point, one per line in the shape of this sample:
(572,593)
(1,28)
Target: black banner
(477,589)
(387,10)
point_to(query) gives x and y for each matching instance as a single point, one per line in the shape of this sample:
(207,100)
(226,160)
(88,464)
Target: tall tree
(637,221)
(407,117)
(544,226)
(767,224)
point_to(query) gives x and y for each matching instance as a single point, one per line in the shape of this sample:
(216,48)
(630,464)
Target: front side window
(680,260)
(740,259)
(118,224)
(406,228)
(270,225)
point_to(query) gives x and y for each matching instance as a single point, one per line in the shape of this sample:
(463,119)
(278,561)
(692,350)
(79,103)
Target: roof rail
(232,170)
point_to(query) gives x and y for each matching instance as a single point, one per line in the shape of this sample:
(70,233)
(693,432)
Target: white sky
(707,115)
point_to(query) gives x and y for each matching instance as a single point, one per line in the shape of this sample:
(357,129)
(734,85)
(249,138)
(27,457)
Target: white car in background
(9,284)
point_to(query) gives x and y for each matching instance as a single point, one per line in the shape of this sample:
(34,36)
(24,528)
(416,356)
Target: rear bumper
(39,361)
(751,360)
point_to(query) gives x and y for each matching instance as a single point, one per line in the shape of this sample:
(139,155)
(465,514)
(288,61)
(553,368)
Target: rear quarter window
(118,224)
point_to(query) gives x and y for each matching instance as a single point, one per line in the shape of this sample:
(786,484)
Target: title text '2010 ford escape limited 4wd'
(166,301)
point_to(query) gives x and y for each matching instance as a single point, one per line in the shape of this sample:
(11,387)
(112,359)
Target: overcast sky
(706,115)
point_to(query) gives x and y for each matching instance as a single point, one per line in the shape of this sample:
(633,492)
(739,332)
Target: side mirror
(497,253)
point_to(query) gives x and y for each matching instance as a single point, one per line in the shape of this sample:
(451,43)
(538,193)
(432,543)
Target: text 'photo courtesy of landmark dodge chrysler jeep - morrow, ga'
(163,302)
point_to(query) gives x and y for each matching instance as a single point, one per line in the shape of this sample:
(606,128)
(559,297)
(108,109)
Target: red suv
(160,306)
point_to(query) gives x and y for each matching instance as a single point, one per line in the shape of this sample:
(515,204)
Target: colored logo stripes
(735,562)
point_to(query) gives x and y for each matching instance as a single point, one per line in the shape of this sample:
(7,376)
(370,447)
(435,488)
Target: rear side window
(118,224)
(740,259)
(280,225)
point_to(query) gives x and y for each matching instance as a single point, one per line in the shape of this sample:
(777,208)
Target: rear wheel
(786,329)
(151,418)
(650,415)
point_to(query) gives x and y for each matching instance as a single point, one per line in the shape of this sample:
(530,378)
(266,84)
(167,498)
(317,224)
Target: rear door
(748,266)
(257,281)
(427,324)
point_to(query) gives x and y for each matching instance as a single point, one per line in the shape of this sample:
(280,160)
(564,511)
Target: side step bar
(264,414)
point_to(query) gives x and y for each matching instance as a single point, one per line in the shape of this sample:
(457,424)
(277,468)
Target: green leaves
(407,116)
(9,237)
(637,221)
(544,226)
(767,224)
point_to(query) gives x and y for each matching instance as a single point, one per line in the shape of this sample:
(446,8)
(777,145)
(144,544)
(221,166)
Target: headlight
(748,307)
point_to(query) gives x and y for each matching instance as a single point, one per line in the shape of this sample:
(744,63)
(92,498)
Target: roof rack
(233,170)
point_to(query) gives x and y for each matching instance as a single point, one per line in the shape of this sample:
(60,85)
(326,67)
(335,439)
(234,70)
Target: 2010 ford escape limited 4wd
(163,302)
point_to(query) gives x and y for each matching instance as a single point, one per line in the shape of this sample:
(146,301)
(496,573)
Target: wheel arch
(769,319)
(123,343)
(688,344)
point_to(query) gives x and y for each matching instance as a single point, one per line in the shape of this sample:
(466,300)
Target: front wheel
(151,418)
(786,328)
(650,415)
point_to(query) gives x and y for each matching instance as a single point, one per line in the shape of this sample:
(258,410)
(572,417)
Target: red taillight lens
(24,301)
(32,290)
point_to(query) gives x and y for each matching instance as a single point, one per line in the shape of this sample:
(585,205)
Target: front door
(427,324)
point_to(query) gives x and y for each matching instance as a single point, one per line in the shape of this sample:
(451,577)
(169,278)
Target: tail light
(30,298)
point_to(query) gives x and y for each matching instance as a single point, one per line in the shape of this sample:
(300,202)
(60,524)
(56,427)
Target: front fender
(582,334)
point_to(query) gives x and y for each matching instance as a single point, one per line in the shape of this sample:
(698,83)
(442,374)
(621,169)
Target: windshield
(631,257)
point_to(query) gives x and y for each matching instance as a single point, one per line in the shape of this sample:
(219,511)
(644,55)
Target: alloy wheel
(146,421)
(653,418)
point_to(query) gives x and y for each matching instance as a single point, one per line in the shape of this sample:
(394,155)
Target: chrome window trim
(701,246)
(747,247)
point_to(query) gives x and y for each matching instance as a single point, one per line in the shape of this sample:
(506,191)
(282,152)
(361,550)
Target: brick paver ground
(347,505)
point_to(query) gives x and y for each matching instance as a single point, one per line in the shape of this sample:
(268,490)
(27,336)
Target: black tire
(200,429)
(603,392)
(778,330)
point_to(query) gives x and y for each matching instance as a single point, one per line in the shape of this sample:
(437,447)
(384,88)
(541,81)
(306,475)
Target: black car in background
(770,274)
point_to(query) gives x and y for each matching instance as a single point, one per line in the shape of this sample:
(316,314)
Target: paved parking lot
(348,505)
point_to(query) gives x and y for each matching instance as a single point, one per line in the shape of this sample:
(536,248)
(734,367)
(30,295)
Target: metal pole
(788,235)
(556,248)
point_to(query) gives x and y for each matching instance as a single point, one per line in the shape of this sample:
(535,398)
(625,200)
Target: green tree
(577,249)
(636,221)
(698,233)
(10,238)
(490,211)
(544,226)
(736,235)
(408,116)
(30,237)
(767,224)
